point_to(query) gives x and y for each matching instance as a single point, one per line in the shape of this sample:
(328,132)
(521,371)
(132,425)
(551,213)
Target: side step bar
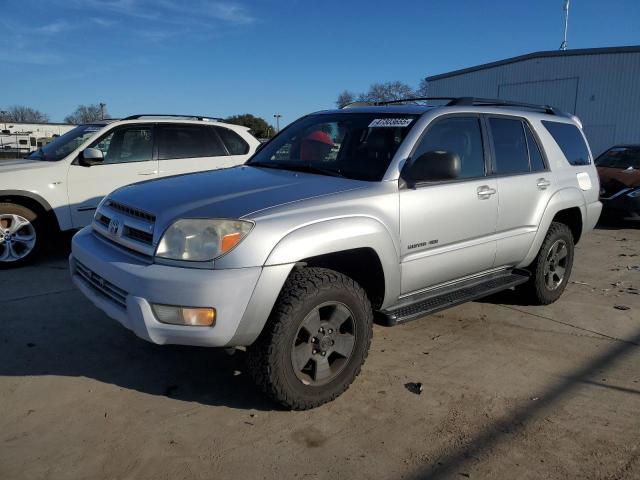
(419,305)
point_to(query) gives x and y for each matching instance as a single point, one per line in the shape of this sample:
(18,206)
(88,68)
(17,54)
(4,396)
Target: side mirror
(432,166)
(90,156)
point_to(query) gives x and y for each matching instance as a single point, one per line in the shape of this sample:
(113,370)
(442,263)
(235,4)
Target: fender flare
(341,234)
(563,199)
(36,198)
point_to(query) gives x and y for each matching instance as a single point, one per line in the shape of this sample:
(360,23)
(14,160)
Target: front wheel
(315,341)
(551,268)
(19,228)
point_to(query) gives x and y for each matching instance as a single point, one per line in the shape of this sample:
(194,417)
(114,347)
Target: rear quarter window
(570,141)
(234,142)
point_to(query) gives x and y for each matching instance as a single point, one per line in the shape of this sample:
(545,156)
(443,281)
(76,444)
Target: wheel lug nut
(324,353)
(314,351)
(330,330)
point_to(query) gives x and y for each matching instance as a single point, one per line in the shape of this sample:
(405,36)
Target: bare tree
(20,113)
(423,90)
(345,98)
(385,92)
(87,114)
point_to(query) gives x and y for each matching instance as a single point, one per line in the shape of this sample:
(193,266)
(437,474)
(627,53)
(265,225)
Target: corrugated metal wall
(602,89)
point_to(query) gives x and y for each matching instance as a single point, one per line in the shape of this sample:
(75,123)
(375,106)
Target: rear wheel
(19,235)
(551,268)
(315,341)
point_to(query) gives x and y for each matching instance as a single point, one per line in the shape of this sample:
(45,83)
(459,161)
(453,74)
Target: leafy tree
(87,114)
(258,126)
(20,113)
(344,98)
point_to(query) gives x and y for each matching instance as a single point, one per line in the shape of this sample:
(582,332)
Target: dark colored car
(619,171)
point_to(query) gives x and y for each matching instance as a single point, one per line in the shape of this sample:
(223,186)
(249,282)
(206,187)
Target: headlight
(634,193)
(199,240)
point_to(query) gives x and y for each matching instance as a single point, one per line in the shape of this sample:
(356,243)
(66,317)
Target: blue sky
(265,56)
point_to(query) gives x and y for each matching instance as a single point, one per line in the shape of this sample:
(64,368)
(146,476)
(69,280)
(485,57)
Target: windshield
(65,144)
(620,157)
(352,145)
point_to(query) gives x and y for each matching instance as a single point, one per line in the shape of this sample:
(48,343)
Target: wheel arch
(566,206)
(32,201)
(359,247)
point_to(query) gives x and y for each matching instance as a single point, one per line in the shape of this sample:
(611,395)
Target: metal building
(599,85)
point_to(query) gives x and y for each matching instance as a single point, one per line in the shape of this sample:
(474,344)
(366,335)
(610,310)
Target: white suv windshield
(352,145)
(65,144)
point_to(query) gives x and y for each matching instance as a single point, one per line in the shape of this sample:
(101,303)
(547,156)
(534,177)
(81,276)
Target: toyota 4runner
(399,209)
(59,186)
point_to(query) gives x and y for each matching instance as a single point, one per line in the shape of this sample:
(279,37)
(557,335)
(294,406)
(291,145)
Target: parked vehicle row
(619,170)
(396,209)
(59,186)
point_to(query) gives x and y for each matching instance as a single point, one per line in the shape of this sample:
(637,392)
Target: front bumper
(123,286)
(622,206)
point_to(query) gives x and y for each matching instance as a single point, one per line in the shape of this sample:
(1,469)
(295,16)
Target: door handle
(543,183)
(485,192)
(148,173)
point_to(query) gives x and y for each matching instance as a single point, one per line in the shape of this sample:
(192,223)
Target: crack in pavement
(35,295)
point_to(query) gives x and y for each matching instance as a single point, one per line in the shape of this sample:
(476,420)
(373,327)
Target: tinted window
(234,142)
(459,135)
(570,141)
(189,141)
(620,157)
(509,145)
(535,156)
(127,144)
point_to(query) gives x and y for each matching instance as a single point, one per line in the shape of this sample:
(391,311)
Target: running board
(419,305)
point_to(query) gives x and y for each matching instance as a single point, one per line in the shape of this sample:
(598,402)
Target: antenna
(563,45)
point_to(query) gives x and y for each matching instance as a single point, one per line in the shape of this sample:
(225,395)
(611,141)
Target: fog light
(203,317)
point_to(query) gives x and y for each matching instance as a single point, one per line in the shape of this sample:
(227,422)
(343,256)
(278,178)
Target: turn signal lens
(200,317)
(229,241)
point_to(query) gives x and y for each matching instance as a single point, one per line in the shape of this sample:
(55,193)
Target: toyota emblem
(114,226)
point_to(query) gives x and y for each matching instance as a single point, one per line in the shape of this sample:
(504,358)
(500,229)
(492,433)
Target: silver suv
(399,209)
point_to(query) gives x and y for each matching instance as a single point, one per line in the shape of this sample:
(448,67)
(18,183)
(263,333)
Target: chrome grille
(126,226)
(131,211)
(102,286)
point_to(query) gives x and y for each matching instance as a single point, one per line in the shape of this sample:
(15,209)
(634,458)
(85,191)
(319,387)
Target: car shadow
(456,462)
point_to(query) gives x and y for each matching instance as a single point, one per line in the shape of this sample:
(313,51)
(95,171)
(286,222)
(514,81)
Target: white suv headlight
(199,240)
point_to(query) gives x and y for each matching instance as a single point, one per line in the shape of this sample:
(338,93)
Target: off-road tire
(37,223)
(536,291)
(269,358)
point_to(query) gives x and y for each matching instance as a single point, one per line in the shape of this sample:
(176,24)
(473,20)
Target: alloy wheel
(17,237)
(555,264)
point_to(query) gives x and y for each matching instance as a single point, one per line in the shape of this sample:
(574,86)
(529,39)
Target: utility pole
(102,105)
(277,116)
(564,44)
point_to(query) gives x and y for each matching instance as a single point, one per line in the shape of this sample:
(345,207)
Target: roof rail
(496,102)
(465,101)
(160,115)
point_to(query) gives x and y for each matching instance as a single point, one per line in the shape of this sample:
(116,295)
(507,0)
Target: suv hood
(21,164)
(615,176)
(227,193)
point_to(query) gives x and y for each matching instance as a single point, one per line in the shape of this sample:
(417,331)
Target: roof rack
(465,101)
(193,117)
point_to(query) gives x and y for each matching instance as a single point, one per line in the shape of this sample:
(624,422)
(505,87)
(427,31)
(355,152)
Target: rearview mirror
(432,166)
(91,156)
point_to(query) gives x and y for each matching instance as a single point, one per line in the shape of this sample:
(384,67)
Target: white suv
(59,186)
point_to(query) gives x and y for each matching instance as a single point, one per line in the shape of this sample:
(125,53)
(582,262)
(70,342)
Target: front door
(128,158)
(447,228)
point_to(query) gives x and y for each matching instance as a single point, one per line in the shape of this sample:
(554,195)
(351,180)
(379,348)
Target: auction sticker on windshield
(390,122)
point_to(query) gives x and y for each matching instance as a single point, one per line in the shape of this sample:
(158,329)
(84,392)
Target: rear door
(186,148)
(128,158)
(447,227)
(524,185)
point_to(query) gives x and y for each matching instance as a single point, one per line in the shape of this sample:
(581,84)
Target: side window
(570,141)
(127,144)
(535,156)
(509,146)
(461,135)
(234,142)
(188,141)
